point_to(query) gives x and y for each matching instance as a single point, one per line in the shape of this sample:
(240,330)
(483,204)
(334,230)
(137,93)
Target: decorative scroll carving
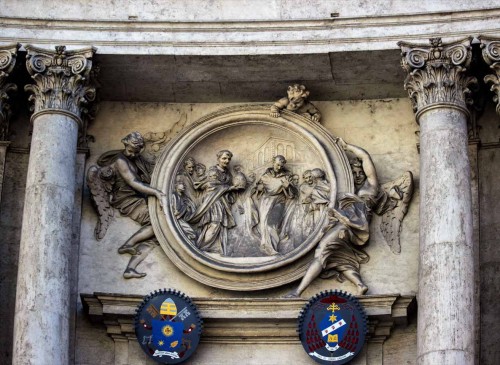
(8,56)
(437,74)
(63,81)
(90,110)
(491,54)
(296,102)
(339,253)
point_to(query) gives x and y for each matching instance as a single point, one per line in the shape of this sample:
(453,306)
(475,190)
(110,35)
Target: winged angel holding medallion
(339,253)
(121,181)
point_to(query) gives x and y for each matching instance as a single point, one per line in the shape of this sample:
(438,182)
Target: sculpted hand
(315,118)
(275,114)
(162,198)
(341,143)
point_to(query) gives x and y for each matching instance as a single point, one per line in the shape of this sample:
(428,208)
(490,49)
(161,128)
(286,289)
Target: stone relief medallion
(168,326)
(332,327)
(246,196)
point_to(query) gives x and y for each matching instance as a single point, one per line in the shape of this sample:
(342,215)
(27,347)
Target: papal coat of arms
(332,327)
(168,326)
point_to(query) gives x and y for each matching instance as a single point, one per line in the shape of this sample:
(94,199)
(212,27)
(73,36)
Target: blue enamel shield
(333,328)
(167,335)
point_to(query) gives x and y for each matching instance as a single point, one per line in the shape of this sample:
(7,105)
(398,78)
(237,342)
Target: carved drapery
(8,55)
(437,74)
(64,83)
(491,54)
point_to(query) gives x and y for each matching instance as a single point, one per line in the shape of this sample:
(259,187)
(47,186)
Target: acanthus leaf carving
(8,56)
(437,74)
(491,55)
(63,80)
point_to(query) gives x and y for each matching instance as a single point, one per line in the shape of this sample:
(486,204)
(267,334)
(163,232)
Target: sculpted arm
(133,180)
(368,165)
(314,112)
(278,106)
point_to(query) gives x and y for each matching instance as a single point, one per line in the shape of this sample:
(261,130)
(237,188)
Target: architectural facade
(251,155)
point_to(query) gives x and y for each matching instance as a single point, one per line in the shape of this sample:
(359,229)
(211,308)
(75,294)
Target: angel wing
(393,208)
(100,182)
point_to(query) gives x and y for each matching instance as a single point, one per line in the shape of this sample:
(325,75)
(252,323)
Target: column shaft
(41,327)
(439,87)
(446,274)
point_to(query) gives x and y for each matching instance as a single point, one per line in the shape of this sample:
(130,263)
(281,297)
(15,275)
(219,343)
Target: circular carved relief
(242,211)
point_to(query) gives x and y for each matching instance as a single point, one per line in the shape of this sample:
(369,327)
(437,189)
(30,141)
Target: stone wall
(385,128)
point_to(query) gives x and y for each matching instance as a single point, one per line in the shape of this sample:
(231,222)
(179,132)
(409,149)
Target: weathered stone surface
(222,27)
(3,153)
(43,290)
(446,273)
(236,324)
(354,121)
(489,255)
(491,55)
(438,86)
(16,166)
(8,55)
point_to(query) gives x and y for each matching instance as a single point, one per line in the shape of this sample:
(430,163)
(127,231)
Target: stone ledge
(233,320)
(262,36)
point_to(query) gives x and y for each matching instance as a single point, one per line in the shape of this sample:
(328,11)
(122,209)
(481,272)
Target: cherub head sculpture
(297,94)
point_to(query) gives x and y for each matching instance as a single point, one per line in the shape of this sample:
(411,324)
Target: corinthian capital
(8,56)
(63,82)
(437,74)
(491,54)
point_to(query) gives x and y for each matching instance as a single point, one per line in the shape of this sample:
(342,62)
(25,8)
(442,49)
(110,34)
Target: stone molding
(8,55)
(64,82)
(437,74)
(491,55)
(246,320)
(263,36)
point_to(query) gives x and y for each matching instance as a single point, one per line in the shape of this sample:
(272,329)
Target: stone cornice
(238,320)
(63,81)
(265,37)
(8,56)
(437,74)
(491,54)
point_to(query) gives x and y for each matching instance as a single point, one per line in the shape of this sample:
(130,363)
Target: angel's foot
(128,249)
(131,273)
(361,289)
(293,294)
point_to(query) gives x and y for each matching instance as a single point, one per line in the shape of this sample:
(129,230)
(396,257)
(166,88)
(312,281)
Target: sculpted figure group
(262,211)
(235,213)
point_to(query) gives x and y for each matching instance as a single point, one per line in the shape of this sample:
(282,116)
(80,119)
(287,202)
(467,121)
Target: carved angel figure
(121,181)
(339,253)
(296,102)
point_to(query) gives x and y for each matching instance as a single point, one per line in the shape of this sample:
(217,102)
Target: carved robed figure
(339,252)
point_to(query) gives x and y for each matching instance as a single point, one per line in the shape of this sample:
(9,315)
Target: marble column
(438,86)
(491,54)
(60,94)
(8,56)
